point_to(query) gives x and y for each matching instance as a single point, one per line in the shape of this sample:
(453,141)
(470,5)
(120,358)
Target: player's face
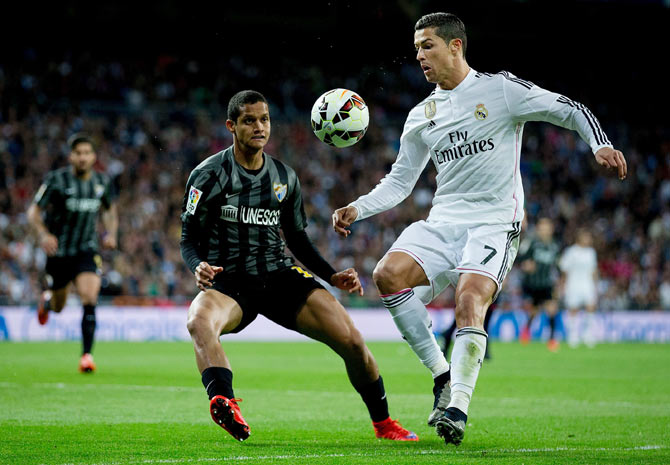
(252,128)
(435,56)
(82,157)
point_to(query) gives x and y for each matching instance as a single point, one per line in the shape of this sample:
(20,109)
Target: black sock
(447,334)
(374,397)
(552,326)
(218,381)
(88,328)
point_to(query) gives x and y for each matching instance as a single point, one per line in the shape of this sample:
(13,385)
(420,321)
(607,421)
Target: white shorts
(577,297)
(445,251)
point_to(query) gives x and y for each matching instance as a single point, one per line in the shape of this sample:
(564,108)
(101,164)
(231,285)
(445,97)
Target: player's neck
(455,75)
(251,160)
(83,175)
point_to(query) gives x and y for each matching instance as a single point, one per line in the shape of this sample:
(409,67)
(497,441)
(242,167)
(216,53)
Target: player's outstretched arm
(110,220)
(612,159)
(347,280)
(343,218)
(48,241)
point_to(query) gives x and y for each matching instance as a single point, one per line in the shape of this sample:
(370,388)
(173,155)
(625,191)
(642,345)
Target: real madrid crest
(430,109)
(481,112)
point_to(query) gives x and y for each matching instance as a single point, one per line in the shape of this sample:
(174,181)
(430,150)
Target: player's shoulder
(216,165)
(502,77)
(57,176)
(283,169)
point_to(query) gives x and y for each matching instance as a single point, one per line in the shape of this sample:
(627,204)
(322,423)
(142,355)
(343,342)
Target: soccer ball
(340,118)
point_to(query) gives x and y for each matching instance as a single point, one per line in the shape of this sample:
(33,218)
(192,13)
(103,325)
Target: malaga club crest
(481,112)
(280,190)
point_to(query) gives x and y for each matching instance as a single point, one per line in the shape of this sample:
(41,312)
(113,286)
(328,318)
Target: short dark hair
(242,98)
(447,26)
(80,138)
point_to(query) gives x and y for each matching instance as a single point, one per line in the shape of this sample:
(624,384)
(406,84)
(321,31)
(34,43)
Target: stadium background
(150,82)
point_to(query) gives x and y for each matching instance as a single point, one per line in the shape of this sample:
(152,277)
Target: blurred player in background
(538,257)
(236,201)
(70,200)
(579,265)
(470,126)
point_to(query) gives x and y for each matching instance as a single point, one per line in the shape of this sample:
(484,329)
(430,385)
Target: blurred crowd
(154,121)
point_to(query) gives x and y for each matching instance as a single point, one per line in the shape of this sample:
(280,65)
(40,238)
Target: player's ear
(230,124)
(455,45)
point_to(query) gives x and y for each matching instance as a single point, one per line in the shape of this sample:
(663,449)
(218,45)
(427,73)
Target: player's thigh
(213,312)
(324,319)
(400,267)
(59,297)
(87,285)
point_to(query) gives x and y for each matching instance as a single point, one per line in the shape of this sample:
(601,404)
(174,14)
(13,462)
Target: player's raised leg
(324,319)
(52,300)
(88,288)
(211,314)
(474,294)
(395,276)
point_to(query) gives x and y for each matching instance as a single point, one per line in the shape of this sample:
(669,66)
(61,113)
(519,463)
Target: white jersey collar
(461,85)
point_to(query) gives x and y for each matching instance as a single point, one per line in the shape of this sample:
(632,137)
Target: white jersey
(473,135)
(579,265)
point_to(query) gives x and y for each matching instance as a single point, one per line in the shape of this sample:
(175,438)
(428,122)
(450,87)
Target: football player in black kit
(236,202)
(64,215)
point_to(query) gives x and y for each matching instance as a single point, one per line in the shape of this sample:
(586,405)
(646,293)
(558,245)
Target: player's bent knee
(388,277)
(471,308)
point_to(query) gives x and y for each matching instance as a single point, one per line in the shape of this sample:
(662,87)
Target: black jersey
(233,218)
(71,205)
(545,255)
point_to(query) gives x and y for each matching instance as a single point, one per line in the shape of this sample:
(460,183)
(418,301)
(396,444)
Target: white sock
(589,329)
(466,359)
(413,322)
(572,320)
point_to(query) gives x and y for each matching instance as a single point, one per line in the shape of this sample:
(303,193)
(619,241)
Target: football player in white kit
(580,273)
(470,126)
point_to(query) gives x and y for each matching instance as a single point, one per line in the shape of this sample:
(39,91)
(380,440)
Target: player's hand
(109,242)
(612,159)
(342,219)
(347,280)
(49,243)
(204,274)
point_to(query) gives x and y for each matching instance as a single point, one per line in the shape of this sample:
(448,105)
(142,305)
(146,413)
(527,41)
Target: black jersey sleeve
(304,250)
(43,196)
(194,212)
(293,216)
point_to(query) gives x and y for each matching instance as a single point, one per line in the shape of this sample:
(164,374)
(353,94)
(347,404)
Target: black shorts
(539,295)
(278,295)
(62,270)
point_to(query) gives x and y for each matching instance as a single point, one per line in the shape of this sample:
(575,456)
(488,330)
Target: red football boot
(226,413)
(43,308)
(524,337)
(86,364)
(391,429)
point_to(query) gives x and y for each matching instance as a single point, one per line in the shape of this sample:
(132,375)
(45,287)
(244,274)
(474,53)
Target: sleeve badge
(193,199)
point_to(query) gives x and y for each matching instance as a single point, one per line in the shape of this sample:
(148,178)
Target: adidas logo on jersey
(431,124)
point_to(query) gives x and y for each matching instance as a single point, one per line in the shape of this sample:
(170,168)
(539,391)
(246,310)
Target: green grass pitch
(145,405)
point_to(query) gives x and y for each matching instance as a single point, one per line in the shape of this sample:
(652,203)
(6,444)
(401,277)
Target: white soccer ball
(340,118)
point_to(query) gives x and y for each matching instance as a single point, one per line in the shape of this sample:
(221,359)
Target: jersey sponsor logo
(229,213)
(194,196)
(99,189)
(280,190)
(481,112)
(430,109)
(462,147)
(82,205)
(250,215)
